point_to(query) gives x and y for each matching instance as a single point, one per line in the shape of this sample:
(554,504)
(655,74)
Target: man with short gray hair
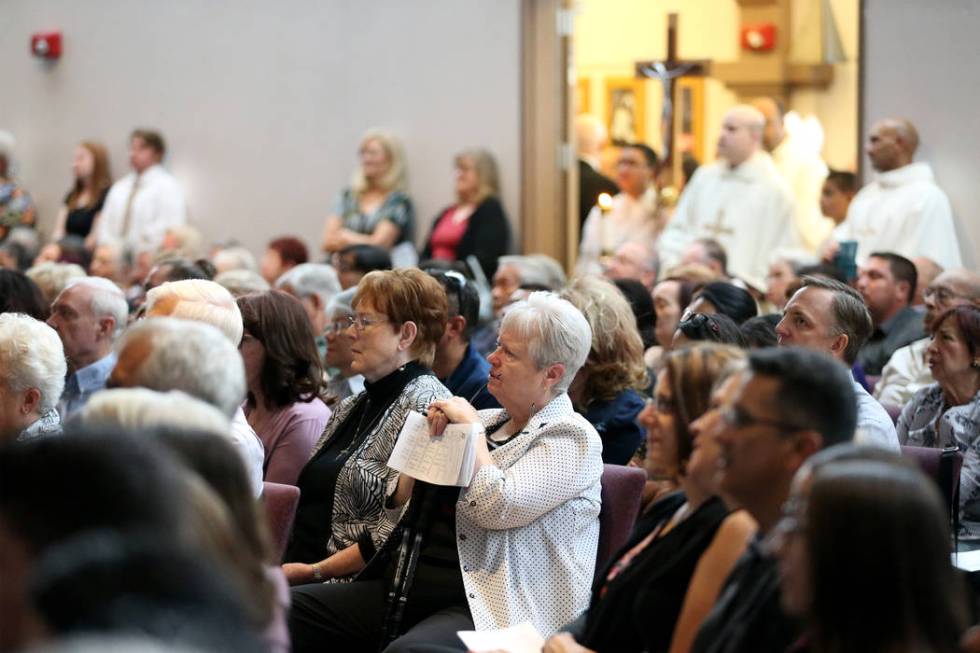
(829,316)
(739,200)
(313,284)
(88,315)
(196,358)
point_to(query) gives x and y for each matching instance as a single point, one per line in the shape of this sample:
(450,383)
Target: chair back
(280,502)
(942,466)
(622,492)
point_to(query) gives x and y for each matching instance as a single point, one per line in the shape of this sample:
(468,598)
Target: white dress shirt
(904,374)
(157,205)
(874,425)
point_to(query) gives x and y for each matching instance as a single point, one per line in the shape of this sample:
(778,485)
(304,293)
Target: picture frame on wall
(583,96)
(690,105)
(625,110)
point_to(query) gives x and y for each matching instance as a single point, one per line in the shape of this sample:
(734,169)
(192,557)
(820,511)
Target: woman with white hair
(475,224)
(376,208)
(32,376)
(519,542)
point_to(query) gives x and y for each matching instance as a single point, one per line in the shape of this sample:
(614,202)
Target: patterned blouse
(397,209)
(924,424)
(16,207)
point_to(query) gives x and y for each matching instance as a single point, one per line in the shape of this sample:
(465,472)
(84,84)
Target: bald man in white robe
(903,210)
(739,200)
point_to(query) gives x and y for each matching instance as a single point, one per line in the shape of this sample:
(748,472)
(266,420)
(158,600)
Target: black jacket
(487,236)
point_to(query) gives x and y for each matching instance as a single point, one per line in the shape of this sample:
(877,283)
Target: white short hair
(189,356)
(342,303)
(31,356)
(242,282)
(52,277)
(554,330)
(235,258)
(135,409)
(199,300)
(308,279)
(536,270)
(108,300)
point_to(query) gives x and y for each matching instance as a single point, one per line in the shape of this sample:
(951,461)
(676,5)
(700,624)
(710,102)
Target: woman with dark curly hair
(607,388)
(285,382)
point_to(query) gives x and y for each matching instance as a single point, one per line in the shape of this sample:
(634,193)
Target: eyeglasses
(698,321)
(661,405)
(360,322)
(737,417)
(334,328)
(460,280)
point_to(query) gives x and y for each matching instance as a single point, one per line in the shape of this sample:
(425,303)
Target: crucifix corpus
(668,71)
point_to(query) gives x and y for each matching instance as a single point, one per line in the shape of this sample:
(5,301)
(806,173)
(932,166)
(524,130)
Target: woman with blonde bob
(607,388)
(475,224)
(399,317)
(375,209)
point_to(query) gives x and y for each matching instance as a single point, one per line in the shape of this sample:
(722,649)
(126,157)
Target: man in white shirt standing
(739,200)
(801,168)
(141,206)
(902,210)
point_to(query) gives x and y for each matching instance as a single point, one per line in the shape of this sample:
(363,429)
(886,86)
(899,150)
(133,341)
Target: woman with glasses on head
(285,382)
(475,225)
(662,583)
(399,317)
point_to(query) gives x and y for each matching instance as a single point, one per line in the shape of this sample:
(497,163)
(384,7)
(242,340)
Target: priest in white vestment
(902,210)
(739,200)
(632,215)
(794,145)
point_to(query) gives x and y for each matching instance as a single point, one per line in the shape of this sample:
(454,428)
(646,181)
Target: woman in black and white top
(399,317)
(518,543)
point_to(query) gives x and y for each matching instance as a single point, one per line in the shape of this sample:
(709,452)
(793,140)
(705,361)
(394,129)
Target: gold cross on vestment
(718,227)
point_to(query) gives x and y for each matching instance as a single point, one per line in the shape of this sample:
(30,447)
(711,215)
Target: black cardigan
(487,236)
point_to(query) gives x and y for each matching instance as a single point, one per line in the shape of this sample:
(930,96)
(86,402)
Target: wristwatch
(317,574)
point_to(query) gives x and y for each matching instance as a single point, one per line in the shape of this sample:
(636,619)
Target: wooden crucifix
(668,71)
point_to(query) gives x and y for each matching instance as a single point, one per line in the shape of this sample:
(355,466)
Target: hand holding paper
(445,459)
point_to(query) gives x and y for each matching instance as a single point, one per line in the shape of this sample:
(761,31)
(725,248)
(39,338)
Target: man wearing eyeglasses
(457,364)
(791,403)
(906,371)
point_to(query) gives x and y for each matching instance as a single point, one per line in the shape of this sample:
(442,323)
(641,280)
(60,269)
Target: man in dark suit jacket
(591,136)
(887,283)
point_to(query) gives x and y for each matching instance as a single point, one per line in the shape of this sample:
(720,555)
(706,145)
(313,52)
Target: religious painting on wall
(690,101)
(625,110)
(583,95)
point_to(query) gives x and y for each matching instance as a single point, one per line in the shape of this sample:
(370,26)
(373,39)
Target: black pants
(350,617)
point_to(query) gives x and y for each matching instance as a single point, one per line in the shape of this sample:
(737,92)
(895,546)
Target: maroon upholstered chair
(622,492)
(893,410)
(280,503)
(943,466)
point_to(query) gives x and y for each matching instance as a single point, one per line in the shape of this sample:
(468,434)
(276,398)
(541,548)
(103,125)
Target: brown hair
(851,316)
(101,177)
(615,362)
(691,374)
(408,295)
(291,250)
(292,370)
(967,319)
(153,139)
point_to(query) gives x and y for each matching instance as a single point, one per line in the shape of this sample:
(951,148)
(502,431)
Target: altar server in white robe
(632,215)
(795,152)
(739,200)
(902,210)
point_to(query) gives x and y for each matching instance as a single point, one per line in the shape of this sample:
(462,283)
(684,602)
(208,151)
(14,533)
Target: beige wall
(263,103)
(921,65)
(610,35)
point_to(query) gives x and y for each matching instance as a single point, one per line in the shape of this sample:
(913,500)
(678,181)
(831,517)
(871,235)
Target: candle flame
(605,201)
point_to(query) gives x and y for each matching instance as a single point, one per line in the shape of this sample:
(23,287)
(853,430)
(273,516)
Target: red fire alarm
(46,45)
(759,38)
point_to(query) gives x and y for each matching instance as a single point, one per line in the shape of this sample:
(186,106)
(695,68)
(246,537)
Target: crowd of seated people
(768,422)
